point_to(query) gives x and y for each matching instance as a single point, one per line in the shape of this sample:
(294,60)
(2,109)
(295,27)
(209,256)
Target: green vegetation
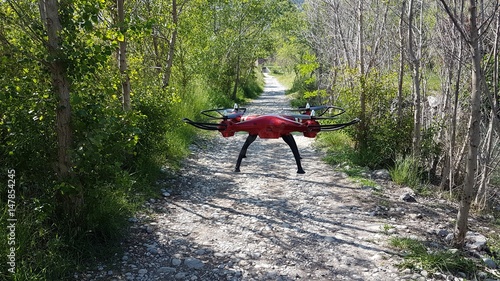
(72,210)
(417,256)
(406,172)
(386,227)
(494,246)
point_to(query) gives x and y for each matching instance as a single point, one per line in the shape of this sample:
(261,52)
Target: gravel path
(266,222)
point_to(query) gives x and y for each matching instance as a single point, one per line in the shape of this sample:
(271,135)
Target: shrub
(406,171)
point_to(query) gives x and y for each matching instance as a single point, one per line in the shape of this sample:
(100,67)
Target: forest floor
(270,223)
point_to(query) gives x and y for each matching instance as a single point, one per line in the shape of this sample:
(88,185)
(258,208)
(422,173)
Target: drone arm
(334,127)
(205,126)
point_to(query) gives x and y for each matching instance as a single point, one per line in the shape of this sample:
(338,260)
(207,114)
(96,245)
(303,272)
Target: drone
(272,126)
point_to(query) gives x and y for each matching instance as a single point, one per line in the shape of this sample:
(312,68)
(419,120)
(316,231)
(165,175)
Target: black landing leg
(293,145)
(243,152)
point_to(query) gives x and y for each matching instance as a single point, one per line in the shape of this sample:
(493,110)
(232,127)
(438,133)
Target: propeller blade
(301,116)
(319,110)
(233,115)
(224,113)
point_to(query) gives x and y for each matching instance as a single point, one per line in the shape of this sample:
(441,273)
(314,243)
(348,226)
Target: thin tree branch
(455,22)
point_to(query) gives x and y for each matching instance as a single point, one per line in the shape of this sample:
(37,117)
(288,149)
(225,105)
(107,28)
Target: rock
(490,263)
(406,271)
(142,271)
(392,231)
(176,262)
(180,275)
(475,241)
(165,269)
(193,263)
(416,216)
(449,237)
(382,174)
(200,252)
(482,275)
(443,232)
(153,250)
(407,197)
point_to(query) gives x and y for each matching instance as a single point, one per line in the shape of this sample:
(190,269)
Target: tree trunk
(415,64)
(50,14)
(401,63)
(171,45)
(453,133)
(236,79)
(361,68)
(486,166)
(122,57)
(473,133)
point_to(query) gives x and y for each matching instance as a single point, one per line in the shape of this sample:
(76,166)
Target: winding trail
(265,223)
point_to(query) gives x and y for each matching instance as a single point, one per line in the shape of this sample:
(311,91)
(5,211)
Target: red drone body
(269,126)
(272,126)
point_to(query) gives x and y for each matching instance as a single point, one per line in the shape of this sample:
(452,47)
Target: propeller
(225,113)
(318,111)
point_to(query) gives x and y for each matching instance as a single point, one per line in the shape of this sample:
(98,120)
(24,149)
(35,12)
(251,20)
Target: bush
(406,172)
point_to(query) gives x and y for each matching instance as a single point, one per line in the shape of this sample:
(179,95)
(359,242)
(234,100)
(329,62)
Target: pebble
(180,275)
(176,262)
(193,263)
(490,263)
(407,197)
(166,269)
(142,271)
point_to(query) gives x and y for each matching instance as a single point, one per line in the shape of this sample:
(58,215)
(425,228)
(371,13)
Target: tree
(471,34)
(415,58)
(122,56)
(176,11)
(488,147)
(49,12)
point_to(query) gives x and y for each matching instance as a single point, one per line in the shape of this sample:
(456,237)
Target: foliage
(418,256)
(494,246)
(406,171)
(386,135)
(116,156)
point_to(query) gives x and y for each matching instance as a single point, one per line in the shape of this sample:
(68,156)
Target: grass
(386,227)
(418,257)
(406,172)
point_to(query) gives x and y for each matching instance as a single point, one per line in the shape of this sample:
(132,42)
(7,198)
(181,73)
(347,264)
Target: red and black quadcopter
(272,126)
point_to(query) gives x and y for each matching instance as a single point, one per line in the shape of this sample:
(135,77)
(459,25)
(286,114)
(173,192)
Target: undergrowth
(419,257)
(116,161)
